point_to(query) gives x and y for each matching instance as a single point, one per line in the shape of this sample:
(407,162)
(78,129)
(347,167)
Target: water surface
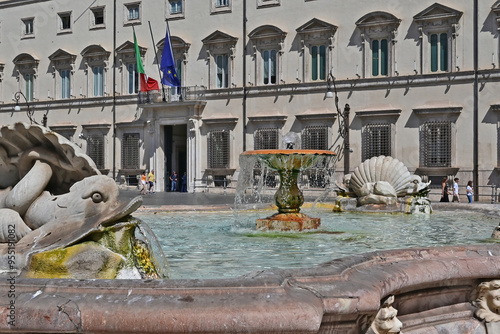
(221,245)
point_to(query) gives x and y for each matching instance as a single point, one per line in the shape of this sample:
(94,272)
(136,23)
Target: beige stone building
(421,79)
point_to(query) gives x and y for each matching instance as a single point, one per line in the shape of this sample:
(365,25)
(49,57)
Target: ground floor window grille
(130,150)
(435,138)
(315,138)
(266,139)
(218,149)
(376,140)
(95,150)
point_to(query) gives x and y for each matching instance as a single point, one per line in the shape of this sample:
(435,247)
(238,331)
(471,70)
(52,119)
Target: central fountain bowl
(289,197)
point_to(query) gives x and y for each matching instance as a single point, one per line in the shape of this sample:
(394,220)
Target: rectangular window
(222,71)
(98,80)
(28,26)
(98,16)
(28,79)
(376,140)
(218,149)
(175,7)
(318,65)
(133,12)
(435,138)
(64,21)
(380,57)
(65,84)
(439,52)
(133,79)
(315,138)
(95,149)
(222,3)
(266,139)
(130,150)
(269,70)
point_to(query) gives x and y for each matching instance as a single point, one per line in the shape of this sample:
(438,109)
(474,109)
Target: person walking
(455,190)
(444,190)
(142,186)
(173,180)
(470,191)
(151,180)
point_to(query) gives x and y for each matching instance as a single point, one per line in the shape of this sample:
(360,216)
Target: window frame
(368,140)
(429,24)
(61,17)
(93,24)
(216,8)
(24,24)
(431,149)
(216,43)
(127,19)
(178,14)
(379,32)
(126,155)
(258,141)
(220,159)
(308,143)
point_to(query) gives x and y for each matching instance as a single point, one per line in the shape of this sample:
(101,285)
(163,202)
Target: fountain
(54,204)
(289,198)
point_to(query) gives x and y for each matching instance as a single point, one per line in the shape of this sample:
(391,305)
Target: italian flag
(147,83)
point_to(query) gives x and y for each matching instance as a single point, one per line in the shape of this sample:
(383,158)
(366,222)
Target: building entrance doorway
(175,148)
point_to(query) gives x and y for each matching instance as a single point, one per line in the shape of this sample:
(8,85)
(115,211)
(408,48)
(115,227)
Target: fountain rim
(289,152)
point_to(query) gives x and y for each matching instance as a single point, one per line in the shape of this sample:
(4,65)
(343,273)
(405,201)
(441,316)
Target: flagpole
(157,62)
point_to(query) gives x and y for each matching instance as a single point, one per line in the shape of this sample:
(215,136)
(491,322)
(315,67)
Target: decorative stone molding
(438,19)
(378,25)
(268,3)
(374,113)
(316,32)
(267,37)
(219,43)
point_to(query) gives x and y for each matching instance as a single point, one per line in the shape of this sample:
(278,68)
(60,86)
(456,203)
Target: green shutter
(322,62)
(443,51)
(383,57)
(375,57)
(434,53)
(314,64)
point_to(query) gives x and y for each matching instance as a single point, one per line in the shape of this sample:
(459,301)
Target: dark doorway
(175,141)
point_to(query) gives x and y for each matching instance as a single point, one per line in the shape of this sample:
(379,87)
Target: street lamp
(343,121)
(29,112)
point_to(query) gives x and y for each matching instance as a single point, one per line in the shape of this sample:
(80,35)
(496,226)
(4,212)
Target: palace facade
(421,79)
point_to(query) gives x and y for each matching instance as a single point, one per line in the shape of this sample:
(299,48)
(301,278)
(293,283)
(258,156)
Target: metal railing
(173,94)
(490,193)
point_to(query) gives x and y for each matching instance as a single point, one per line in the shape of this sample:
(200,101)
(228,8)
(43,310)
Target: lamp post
(29,111)
(343,121)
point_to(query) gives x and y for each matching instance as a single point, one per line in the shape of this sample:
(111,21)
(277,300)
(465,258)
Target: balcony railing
(173,94)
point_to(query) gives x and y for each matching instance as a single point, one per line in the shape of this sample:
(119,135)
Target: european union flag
(167,65)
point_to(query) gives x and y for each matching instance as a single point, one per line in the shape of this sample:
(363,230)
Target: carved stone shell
(381,168)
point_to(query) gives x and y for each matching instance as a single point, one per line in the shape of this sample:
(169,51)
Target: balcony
(173,94)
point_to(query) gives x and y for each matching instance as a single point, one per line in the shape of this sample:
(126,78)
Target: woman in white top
(470,192)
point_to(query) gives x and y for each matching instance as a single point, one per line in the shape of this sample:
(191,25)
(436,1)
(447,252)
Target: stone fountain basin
(432,288)
(290,159)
